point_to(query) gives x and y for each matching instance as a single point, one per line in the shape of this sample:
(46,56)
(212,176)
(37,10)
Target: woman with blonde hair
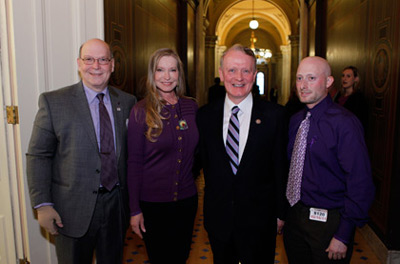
(350,95)
(162,137)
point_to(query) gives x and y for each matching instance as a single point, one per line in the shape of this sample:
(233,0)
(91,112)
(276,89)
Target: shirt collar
(244,106)
(320,108)
(91,95)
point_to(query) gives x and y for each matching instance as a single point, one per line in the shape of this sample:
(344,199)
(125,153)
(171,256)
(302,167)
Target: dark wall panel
(191,47)
(137,28)
(365,33)
(155,27)
(311,27)
(118,21)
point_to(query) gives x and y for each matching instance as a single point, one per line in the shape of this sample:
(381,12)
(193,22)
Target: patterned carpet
(135,250)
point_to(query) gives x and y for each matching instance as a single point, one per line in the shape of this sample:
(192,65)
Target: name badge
(317,214)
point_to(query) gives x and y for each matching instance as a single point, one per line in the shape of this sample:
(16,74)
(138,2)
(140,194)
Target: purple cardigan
(161,171)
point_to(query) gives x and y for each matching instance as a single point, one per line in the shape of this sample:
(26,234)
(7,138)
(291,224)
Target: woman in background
(162,137)
(350,95)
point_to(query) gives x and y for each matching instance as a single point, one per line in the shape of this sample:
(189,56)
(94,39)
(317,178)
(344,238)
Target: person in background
(273,94)
(293,105)
(162,138)
(350,95)
(256,91)
(330,188)
(242,153)
(76,162)
(217,91)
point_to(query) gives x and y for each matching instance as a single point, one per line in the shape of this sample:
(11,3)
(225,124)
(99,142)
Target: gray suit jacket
(63,161)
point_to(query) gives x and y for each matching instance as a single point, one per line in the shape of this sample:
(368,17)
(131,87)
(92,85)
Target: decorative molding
(119,77)
(393,257)
(381,67)
(193,3)
(211,41)
(206,23)
(375,243)
(382,253)
(294,40)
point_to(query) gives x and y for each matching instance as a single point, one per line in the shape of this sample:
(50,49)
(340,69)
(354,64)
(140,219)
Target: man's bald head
(313,80)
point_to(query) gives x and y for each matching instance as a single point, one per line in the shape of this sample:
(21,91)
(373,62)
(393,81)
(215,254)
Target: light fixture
(253,41)
(253,23)
(263,55)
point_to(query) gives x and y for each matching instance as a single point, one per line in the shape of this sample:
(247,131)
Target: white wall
(47,35)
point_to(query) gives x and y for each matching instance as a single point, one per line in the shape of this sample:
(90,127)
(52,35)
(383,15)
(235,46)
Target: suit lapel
(218,125)
(80,104)
(255,121)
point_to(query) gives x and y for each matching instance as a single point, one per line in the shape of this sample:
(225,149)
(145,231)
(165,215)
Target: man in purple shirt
(336,189)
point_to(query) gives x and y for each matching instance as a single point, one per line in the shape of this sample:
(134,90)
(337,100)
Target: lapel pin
(258,121)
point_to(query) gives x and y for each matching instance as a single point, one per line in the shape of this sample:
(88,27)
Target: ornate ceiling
(229,20)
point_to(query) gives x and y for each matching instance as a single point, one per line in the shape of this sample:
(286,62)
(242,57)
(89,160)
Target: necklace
(182,122)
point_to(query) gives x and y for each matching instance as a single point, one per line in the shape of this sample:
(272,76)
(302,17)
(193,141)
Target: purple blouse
(161,171)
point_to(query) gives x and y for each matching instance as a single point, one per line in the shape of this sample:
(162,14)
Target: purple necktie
(108,176)
(293,190)
(232,140)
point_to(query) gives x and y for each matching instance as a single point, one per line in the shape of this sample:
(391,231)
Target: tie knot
(308,115)
(235,110)
(100,96)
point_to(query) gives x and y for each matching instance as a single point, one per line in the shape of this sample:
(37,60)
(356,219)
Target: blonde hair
(154,101)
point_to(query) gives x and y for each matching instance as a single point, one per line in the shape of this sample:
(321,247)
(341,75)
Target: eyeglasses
(90,60)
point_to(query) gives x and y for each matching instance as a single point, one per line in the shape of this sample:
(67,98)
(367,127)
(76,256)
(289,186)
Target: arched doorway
(228,23)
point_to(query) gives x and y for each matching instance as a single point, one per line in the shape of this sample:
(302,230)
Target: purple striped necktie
(108,174)
(293,190)
(232,140)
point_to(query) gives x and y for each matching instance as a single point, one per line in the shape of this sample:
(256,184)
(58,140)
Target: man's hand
(336,250)
(48,219)
(137,223)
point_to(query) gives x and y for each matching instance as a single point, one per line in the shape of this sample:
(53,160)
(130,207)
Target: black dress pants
(169,230)
(306,240)
(247,245)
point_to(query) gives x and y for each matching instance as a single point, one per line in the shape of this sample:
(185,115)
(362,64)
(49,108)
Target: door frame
(12,213)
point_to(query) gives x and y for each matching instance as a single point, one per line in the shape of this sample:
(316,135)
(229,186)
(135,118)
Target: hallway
(135,251)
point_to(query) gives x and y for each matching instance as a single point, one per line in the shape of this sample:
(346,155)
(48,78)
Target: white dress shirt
(244,116)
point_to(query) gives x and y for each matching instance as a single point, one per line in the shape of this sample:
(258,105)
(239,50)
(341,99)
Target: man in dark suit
(217,91)
(67,162)
(245,202)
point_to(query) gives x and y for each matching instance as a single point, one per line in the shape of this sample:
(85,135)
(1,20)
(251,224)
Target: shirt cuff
(345,231)
(135,213)
(42,204)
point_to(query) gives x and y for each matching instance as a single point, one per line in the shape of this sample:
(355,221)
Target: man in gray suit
(66,162)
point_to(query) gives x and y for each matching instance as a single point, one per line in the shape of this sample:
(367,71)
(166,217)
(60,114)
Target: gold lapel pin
(258,121)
